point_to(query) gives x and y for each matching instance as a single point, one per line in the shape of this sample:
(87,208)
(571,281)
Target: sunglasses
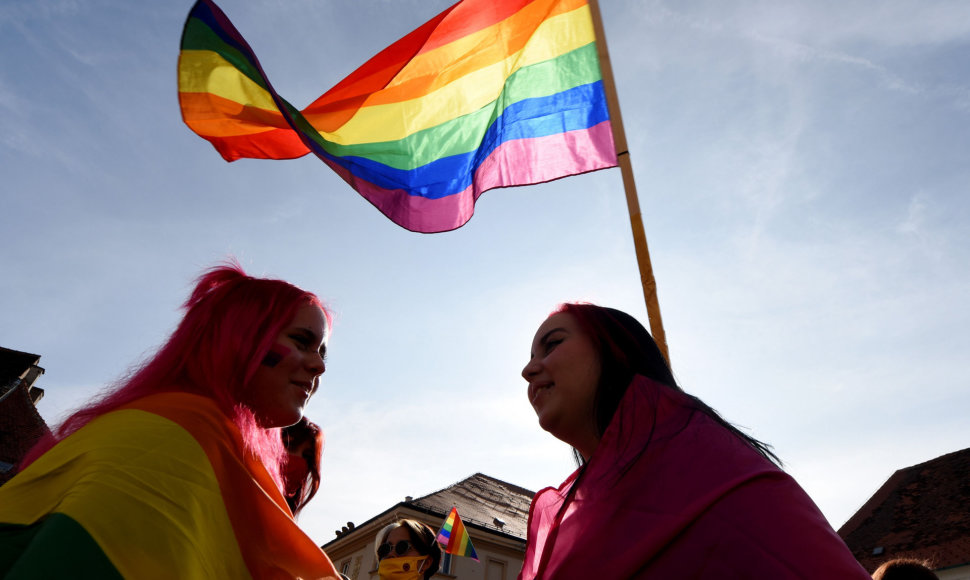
(400,548)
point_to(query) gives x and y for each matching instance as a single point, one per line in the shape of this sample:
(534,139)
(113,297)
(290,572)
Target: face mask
(402,568)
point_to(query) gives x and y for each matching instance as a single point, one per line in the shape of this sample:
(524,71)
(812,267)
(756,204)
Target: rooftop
(484,501)
(920,512)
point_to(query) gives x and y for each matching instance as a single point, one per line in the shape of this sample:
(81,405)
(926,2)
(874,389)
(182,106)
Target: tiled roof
(920,512)
(481,500)
(13,364)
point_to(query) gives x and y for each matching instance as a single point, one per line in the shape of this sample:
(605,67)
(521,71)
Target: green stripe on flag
(55,547)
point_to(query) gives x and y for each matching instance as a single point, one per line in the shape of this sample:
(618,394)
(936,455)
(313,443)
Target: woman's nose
(316,364)
(530,369)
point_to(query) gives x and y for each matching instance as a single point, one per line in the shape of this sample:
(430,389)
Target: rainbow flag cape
(159,489)
(489,93)
(454,538)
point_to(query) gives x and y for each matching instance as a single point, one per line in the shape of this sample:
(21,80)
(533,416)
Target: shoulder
(156,422)
(177,404)
(198,415)
(769,519)
(164,425)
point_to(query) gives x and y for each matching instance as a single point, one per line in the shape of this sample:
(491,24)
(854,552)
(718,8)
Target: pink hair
(231,321)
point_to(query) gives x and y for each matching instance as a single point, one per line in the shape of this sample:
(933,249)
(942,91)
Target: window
(494,570)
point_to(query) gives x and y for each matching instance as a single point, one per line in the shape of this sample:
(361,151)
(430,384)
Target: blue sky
(803,169)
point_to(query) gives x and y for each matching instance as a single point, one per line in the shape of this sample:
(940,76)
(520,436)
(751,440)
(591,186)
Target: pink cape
(670,494)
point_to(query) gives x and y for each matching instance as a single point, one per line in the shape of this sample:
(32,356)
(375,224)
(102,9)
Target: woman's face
(400,534)
(289,374)
(563,372)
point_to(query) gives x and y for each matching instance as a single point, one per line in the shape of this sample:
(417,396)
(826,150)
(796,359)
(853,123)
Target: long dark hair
(626,349)
(294,436)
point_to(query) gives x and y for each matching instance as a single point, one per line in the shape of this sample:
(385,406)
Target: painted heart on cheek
(276,354)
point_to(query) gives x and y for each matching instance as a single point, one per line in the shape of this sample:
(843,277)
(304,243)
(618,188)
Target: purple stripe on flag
(549,158)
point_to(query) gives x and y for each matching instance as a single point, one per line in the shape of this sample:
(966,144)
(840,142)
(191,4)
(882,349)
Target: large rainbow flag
(160,489)
(489,93)
(454,538)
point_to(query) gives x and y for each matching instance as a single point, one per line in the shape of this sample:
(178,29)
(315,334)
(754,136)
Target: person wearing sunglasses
(407,550)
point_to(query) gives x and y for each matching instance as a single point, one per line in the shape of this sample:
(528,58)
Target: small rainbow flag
(454,537)
(489,93)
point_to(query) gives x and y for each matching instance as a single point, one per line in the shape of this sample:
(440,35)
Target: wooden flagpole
(629,185)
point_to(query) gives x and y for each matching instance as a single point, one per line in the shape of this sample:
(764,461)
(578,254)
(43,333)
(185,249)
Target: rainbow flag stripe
(489,93)
(159,489)
(454,538)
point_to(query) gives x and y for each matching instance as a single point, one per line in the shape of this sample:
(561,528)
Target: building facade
(20,423)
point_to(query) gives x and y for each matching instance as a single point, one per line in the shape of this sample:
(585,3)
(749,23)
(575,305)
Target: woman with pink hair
(175,472)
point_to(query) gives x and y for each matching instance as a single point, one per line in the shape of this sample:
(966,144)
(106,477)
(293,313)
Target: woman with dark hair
(407,550)
(666,488)
(303,441)
(905,569)
(175,472)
